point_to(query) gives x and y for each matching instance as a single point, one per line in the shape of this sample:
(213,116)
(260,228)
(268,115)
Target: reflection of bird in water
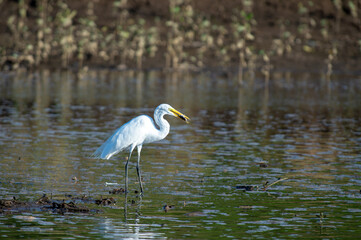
(135,133)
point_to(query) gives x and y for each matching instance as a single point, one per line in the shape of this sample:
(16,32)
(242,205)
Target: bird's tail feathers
(97,154)
(104,153)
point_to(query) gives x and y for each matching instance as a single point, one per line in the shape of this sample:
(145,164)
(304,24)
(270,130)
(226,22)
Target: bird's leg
(126,171)
(138,170)
(126,207)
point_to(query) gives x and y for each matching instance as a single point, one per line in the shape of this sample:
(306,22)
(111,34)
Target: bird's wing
(130,134)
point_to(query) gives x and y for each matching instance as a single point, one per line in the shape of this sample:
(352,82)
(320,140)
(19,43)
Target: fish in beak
(180,115)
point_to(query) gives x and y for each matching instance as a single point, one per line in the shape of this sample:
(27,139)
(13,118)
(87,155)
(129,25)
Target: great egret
(135,133)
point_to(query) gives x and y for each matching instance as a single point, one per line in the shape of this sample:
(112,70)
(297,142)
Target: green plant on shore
(174,53)
(87,35)
(175,38)
(303,27)
(306,24)
(115,42)
(354,9)
(284,44)
(204,37)
(324,28)
(138,43)
(44,32)
(220,33)
(309,25)
(130,41)
(65,32)
(190,39)
(17,25)
(338,5)
(242,23)
(153,40)
(23,48)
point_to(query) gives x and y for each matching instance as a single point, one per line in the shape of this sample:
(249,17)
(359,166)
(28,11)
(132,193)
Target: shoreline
(180,35)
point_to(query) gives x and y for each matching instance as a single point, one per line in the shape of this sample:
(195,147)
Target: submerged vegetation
(177,34)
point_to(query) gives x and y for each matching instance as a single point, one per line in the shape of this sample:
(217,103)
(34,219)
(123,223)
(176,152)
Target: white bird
(135,133)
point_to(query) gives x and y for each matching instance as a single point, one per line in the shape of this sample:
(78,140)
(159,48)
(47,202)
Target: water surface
(301,126)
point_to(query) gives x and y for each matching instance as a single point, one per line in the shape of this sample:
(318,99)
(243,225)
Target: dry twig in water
(279,180)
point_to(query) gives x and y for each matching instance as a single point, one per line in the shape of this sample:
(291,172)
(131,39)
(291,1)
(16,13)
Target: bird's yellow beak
(180,115)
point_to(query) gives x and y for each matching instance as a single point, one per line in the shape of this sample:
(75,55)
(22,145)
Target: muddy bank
(181,34)
(67,204)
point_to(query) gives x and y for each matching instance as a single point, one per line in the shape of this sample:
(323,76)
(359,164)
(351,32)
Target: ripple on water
(300,130)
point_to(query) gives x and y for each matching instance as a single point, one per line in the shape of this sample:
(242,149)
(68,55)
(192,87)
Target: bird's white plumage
(129,135)
(136,132)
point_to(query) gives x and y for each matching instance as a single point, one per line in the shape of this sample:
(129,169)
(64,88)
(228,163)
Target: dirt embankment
(180,34)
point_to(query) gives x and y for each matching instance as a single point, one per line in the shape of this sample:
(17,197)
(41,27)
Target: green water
(301,127)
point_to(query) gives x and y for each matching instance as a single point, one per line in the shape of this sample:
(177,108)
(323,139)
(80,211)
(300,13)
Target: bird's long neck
(162,124)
